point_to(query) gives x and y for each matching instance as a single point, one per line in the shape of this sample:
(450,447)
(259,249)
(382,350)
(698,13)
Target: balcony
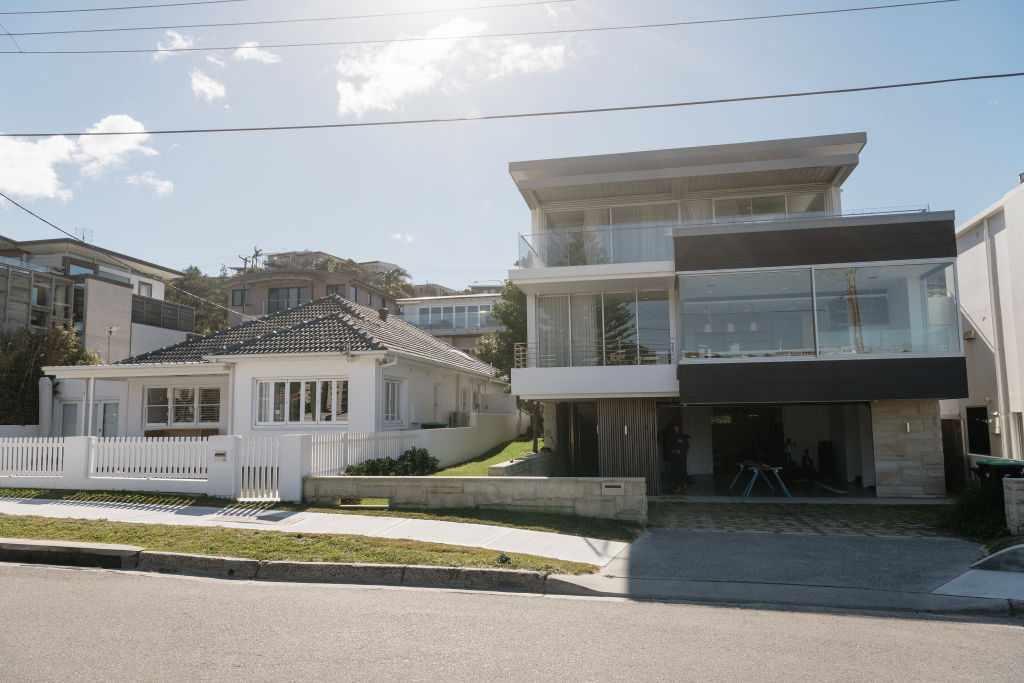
(157,313)
(450,327)
(595,246)
(593,354)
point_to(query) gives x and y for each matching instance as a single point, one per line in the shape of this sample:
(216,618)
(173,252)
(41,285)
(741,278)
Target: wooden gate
(627,429)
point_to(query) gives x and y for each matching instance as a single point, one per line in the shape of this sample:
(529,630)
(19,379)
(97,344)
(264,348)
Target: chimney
(1021,177)
(383,311)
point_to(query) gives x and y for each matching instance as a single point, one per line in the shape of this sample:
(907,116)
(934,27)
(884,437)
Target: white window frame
(391,400)
(317,409)
(196,405)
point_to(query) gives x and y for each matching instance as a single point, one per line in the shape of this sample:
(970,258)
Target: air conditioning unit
(970,334)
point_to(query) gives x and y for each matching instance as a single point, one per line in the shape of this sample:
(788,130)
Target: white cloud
(175,41)
(149,179)
(205,87)
(215,61)
(250,52)
(381,77)
(98,153)
(28,168)
(400,236)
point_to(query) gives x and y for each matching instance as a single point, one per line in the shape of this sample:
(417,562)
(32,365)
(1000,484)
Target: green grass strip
(276,545)
(477,467)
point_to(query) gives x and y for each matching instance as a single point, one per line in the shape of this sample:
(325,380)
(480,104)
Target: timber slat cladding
(627,432)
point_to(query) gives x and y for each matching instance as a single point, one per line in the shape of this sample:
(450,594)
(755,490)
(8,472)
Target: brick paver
(919,521)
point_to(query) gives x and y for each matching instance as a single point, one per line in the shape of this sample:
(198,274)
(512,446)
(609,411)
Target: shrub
(415,462)
(977,513)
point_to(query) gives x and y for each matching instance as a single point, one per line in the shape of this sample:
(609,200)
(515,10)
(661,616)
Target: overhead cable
(525,115)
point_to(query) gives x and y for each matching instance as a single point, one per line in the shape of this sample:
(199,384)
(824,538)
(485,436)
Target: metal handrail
(594,353)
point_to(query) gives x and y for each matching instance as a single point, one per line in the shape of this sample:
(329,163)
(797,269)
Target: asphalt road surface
(85,624)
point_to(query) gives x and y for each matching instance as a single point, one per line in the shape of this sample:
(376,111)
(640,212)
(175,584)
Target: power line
(116,9)
(526,115)
(126,265)
(516,34)
(307,20)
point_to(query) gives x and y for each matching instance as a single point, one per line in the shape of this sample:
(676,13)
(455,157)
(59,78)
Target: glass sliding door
(620,328)
(577,238)
(643,233)
(654,334)
(585,326)
(552,331)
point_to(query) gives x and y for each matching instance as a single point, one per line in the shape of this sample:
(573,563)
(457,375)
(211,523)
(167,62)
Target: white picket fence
(332,454)
(149,458)
(259,469)
(32,457)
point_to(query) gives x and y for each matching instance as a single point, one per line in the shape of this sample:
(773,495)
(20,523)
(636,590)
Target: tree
(204,288)
(345,267)
(22,356)
(499,347)
(396,283)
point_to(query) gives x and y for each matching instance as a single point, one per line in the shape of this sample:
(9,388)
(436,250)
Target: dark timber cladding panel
(863,379)
(627,429)
(835,244)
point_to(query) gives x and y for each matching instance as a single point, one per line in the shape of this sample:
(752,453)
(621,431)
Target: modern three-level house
(726,289)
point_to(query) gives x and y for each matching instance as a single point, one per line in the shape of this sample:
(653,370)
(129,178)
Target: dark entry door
(585,444)
(953,455)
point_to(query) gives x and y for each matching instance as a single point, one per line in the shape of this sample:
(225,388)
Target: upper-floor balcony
(600,244)
(453,326)
(157,313)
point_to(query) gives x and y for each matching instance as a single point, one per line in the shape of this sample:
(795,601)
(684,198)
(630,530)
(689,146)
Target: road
(85,624)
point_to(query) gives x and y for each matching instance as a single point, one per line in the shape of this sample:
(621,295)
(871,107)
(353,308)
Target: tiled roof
(327,325)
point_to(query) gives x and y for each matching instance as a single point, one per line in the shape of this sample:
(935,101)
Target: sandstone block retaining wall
(605,498)
(536,465)
(1013,496)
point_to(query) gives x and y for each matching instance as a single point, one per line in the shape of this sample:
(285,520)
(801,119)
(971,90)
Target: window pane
(155,415)
(184,405)
(294,400)
(643,233)
(326,407)
(209,413)
(209,405)
(585,328)
(279,401)
(210,395)
(805,205)
(309,401)
(552,332)
(620,328)
(729,210)
(887,309)
(653,328)
(576,238)
(746,314)
(156,397)
(697,211)
(768,208)
(265,410)
(341,409)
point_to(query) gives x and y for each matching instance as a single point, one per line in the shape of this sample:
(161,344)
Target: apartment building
(290,279)
(115,301)
(725,289)
(989,421)
(459,320)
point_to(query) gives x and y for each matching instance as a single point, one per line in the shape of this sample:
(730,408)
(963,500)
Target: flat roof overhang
(129,370)
(71,247)
(825,159)
(599,278)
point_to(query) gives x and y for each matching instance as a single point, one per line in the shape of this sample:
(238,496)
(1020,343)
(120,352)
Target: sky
(437,198)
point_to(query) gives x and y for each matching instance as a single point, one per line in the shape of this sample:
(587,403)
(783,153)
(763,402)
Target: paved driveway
(871,562)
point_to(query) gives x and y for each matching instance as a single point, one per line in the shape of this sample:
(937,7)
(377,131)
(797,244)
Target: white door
(69,419)
(106,415)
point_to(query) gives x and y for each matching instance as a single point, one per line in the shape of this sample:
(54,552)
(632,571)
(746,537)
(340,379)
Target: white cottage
(328,365)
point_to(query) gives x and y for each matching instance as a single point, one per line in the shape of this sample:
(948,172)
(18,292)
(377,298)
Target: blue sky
(437,199)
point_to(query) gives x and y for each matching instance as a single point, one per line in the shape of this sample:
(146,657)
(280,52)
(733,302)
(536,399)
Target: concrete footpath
(505,539)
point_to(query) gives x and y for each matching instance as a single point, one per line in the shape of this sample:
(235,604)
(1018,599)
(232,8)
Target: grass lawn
(275,545)
(477,467)
(607,529)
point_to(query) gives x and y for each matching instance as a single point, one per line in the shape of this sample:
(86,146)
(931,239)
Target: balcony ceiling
(827,159)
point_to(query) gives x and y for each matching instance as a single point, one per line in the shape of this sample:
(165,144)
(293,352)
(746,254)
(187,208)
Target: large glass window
(613,328)
(577,238)
(309,401)
(281,298)
(747,314)
(885,309)
(182,405)
(643,233)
